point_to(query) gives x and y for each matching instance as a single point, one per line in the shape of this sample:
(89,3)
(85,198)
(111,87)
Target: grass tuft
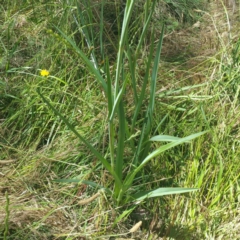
(135,112)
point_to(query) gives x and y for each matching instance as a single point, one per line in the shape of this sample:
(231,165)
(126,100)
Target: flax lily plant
(114,87)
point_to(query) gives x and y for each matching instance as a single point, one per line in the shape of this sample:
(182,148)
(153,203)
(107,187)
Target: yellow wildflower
(44,73)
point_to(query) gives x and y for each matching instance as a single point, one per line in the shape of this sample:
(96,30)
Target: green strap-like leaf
(92,149)
(160,192)
(89,64)
(128,181)
(164,138)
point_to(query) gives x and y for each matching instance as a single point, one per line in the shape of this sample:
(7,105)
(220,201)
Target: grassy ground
(197,89)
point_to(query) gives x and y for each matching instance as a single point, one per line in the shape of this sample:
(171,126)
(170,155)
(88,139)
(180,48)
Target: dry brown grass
(189,53)
(217,29)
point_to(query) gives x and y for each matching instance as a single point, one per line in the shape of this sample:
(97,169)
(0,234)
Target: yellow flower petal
(44,73)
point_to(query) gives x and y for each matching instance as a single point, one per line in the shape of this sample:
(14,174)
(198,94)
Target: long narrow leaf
(124,215)
(128,181)
(153,83)
(164,138)
(149,113)
(155,71)
(139,107)
(170,145)
(85,27)
(117,100)
(132,68)
(101,30)
(93,150)
(126,19)
(140,143)
(89,64)
(121,139)
(143,91)
(145,28)
(109,88)
(110,108)
(160,192)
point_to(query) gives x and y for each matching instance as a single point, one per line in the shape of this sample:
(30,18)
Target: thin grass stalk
(110,107)
(132,67)
(129,136)
(144,86)
(146,9)
(117,101)
(149,116)
(91,67)
(154,73)
(121,129)
(119,108)
(83,27)
(101,30)
(139,146)
(220,174)
(126,19)
(118,5)
(147,19)
(118,94)
(121,139)
(89,21)
(147,122)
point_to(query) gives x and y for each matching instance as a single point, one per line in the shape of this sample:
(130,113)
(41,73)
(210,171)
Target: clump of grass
(38,147)
(115,91)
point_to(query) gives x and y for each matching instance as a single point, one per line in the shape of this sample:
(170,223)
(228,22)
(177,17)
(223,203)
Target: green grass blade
(164,138)
(121,139)
(140,144)
(109,88)
(117,100)
(152,94)
(84,24)
(170,145)
(155,71)
(126,19)
(111,130)
(92,149)
(180,90)
(89,20)
(149,114)
(89,64)
(124,215)
(101,30)
(145,28)
(161,192)
(132,68)
(220,174)
(143,91)
(128,181)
